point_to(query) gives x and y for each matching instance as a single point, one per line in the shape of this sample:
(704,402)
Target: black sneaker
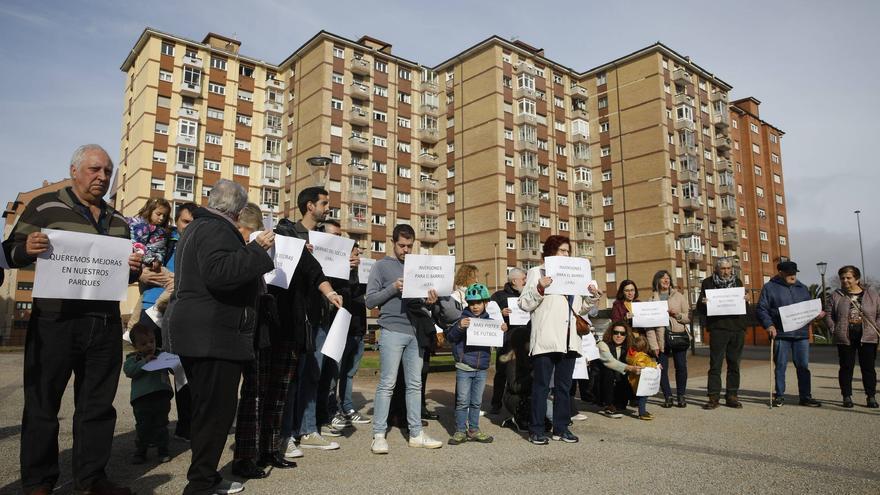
(810,402)
(778,401)
(566,436)
(848,402)
(538,439)
(872,403)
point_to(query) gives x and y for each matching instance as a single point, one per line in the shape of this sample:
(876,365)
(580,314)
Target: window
(757,170)
(165,76)
(403,198)
(378,219)
(559,102)
(603,102)
(509,216)
(270,196)
(765,258)
(609,225)
(381,66)
(605,151)
(380,141)
(273,146)
(157,184)
(753,128)
(526,81)
(161,128)
(604,126)
(167,49)
(214,113)
(774,158)
(762,235)
(339,53)
(526,107)
(508,134)
(404,147)
(560,150)
(601,78)
(782,240)
(450,198)
(192,77)
(335,104)
(609,250)
(183,184)
(403,123)
(242,119)
(337,78)
(756,149)
(245,95)
(213,138)
(187,128)
(606,175)
(377,246)
(780,219)
(379,167)
(607,200)
(160,156)
(544,222)
(762,213)
(773,138)
(211,165)
(216,88)
(241,170)
(218,63)
(336,130)
(404,97)
(404,172)
(242,145)
(380,91)
(759,191)
(246,70)
(779,199)
(404,74)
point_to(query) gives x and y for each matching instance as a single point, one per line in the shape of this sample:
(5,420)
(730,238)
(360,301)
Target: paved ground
(754,450)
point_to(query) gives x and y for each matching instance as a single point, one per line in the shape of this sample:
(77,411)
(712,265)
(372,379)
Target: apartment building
(485,154)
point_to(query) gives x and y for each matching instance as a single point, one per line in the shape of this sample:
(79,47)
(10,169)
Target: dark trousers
(326,405)
(614,389)
(867,355)
(282,373)
(214,386)
(500,379)
(725,345)
(681,372)
(151,421)
(251,429)
(561,367)
(182,399)
(91,348)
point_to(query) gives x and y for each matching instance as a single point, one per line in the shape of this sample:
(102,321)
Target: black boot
(246,468)
(276,460)
(681,402)
(667,403)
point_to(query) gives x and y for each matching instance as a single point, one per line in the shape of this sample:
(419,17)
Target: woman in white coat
(554,345)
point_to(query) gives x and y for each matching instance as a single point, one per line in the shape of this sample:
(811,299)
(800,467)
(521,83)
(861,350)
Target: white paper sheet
(796,316)
(422,272)
(721,302)
(649,382)
(588,347)
(581,369)
(494,311)
(83,266)
(485,332)
(364,269)
(286,255)
(332,252)
(155,315)
(163,360)
(334,344)
(650,314)
(571,275)
(517,316)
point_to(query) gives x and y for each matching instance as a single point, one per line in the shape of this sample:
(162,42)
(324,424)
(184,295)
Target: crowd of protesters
(252,357)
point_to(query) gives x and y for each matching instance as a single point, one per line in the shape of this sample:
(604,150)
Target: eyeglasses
(616,332)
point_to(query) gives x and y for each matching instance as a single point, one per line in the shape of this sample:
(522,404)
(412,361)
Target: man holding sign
(728,330)
(71,335)
(784,290)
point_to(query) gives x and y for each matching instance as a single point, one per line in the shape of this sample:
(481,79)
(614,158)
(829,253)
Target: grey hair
(228,197)
(80,153)
(720,261)
(251,217)
(515,271)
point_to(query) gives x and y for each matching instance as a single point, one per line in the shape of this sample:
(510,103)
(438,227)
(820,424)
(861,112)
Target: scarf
(723,283)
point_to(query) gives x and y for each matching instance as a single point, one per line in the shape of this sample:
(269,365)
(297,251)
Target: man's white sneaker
(424,441)
(225,487)
(579,417)
(316,441)
(379,445)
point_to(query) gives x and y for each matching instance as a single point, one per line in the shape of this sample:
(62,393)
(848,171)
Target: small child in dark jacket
(471,363)
(151,395)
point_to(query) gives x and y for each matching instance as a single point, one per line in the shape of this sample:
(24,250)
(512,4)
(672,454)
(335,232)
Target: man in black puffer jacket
(516,279)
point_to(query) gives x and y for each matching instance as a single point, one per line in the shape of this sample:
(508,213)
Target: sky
(812,64)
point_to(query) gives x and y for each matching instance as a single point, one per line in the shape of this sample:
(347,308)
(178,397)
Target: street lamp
(822,266)
(861,251)
(318,169)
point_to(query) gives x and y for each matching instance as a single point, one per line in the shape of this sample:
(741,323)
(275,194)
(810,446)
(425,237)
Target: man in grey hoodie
(398,343)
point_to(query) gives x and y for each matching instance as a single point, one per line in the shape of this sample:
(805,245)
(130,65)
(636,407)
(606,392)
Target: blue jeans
(299,408)
(394,348)
(643,405)
(561,367)
(680,359)
(800,353)
(351,361)
(469,387)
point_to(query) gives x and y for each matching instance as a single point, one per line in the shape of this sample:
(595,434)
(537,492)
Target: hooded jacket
(475,356)
(775,294)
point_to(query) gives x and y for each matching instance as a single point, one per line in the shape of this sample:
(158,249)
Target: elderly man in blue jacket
(782,290)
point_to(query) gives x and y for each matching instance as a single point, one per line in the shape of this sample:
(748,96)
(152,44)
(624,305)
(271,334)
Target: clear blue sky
(812,64)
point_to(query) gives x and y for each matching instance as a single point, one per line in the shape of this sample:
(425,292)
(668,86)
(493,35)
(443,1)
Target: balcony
(358,144)
(689,204)
(270,182)
(359,169)
(358,195)
(525,118)
(582,210)
(689,229)
(681,76)
(190,89)
(528,172)
(580,113)
(524,92)
(580,185)
(528,254)
(195,62)
(359,91)
(430,207)
(526,145)
(716,96)
(530,225)
(687,175)
(429,234)
(428,134)
(430,86)
(356,226)
(188,112)
(685,124)
(275,84)
(723,164)
(523,66)
(529,199)
(360,66)
(272,207)
(429,160)
(273,131)
(273,106)
(580,160)
(693,256)
(187,139)
(429,184)
(721,119)
(580,137)
(358,116)
(183,195)
(730,236)
(185,168)
(583,235)
(727,213)
(426,109)
(271,156)
(695,281)
(683,99)
(578,92)
(448,85)
(723,143)
(728,189)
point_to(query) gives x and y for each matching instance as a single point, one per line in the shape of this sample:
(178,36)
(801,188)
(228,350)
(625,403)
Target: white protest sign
(517,315)
(650,314)
(486,332)
(83,266)
(721,302)
(332,252)
(581,369)
(649,382)
(589,349)
(334,344)
(169,361)
(494,311)
(155,315)
(422,272)
(287,252)
(796,316)
(364,269)
(570,275)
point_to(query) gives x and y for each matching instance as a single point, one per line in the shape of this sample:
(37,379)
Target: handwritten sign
(798,315)
(334,344)
(649,382)
(494,311)
(571,276)
(486,332)
(83,266)
(332,252)
(423,272)
(517,316)
(364,269)
(288,251)
(721,302)
(650,314)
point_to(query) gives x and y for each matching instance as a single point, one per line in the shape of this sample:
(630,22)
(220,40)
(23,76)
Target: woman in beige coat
(679,316)
(554,344)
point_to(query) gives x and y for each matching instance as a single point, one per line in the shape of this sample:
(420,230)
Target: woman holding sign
(627,293)
(555,344)
(854,318)
(665,343)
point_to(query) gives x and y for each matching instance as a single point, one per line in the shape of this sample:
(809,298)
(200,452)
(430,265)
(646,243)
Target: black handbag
(678,341)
